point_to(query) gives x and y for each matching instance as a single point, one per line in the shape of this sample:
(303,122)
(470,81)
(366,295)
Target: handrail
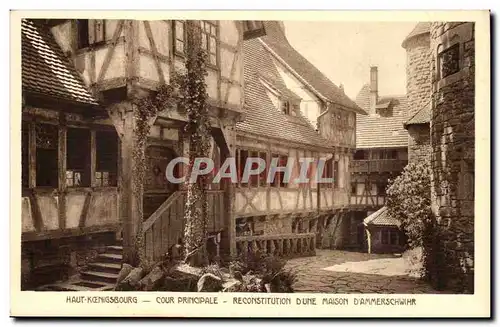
(146,225)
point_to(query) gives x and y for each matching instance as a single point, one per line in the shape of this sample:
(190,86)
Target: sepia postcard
(250,164)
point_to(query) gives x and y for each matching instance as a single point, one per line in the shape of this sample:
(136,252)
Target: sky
(344,52)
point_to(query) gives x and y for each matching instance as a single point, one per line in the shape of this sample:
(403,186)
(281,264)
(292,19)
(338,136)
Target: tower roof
(420,28)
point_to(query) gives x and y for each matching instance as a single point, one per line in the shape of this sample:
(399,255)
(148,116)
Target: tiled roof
(276,40)
(420,28)
(45,68)
(262,117)
(423,116)
(374,131)
(381,217)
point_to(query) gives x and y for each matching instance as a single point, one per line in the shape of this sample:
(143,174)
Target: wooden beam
(93,157)
(62,153)
(156,55)
(32,156)
(110,52)
(85,209)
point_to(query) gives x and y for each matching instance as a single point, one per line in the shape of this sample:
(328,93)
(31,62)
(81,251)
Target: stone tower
(452,141)
(418,90)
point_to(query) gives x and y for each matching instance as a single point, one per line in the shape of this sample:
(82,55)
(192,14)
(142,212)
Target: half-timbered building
(81,80)
(381,154)
(292,111)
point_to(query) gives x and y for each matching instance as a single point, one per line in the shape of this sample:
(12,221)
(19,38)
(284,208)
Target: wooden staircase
(99,275)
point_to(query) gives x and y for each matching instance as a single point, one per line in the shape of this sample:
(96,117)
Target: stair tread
(100,274)
(111,256)
(115,247)
(117,266)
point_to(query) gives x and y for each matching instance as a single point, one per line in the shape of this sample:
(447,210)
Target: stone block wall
(452,159)
(419,143)
(418,77)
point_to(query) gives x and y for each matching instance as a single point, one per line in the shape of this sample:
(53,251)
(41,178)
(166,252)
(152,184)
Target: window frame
(206,37)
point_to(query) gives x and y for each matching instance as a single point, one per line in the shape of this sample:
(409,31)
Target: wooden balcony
(280,245)
(378,166)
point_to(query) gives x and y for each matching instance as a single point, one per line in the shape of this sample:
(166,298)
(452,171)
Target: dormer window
(285,107)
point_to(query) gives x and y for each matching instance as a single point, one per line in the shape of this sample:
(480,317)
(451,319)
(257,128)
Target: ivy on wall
(186,92)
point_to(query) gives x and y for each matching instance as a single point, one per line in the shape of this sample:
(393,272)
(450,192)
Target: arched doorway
(156,186)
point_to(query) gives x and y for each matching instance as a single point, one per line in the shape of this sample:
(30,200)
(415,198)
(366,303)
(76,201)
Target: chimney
(373,88)
(341,87)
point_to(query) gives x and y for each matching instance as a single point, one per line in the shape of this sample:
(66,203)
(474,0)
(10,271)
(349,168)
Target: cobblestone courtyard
(332,271)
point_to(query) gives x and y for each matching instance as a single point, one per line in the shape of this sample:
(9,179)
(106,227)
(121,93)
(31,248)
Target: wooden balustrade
(166,225)
(281,245)
(380,165)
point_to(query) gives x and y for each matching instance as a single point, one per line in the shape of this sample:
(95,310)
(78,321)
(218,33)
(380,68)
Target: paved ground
(332,271)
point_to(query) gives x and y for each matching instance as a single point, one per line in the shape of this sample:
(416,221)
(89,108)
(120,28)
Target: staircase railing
(166,225)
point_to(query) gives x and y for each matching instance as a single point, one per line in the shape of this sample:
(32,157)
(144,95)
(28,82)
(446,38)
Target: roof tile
(276,40)
(381,217)
(375,131)
(46,70)
(262,117)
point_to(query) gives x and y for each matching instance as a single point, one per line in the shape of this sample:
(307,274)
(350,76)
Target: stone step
(92,276)
(110,257)
(116,249)
(105,267)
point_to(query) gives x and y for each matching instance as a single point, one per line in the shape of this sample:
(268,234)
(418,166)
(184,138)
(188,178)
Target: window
(281,175)
(353,188)
(449,61)
(285,107)
(336,174)
(263,174)
(254,179)
(106,158)
(360,155)
(47,141)
(381,187)
(78,157)
(209,42)
(82,26)
(90,31)
(180,36)
(25,154)
(328,173)
(243,160)
(389,236)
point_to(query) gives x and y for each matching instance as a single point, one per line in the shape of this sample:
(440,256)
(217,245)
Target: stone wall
(452,160)
(419,143)
(418,77)
(419,91)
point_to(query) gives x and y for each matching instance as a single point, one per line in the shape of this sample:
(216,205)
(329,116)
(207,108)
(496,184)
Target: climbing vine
(409,200)
(194,103)
(186,92)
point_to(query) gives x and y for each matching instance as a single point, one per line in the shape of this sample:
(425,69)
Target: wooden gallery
(80,80)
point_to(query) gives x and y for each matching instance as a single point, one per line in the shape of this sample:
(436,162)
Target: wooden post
(93,155)
(32,156)
(62,150)
(129,206)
